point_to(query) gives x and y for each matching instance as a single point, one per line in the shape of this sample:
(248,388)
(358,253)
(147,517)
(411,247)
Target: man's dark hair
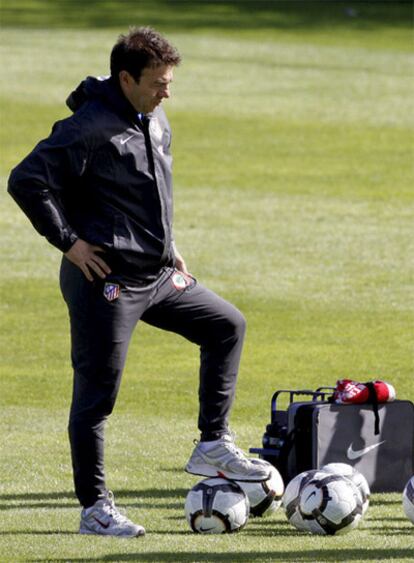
(142,47)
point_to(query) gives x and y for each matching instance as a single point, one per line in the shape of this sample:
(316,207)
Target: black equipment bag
(311,433)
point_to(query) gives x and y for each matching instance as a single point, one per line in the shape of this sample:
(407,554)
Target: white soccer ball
(216,506)
(290,500)
(355,476)
(408,499)
(330,504)
(264,497)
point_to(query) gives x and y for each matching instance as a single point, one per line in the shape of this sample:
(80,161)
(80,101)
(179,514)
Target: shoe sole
(209,471)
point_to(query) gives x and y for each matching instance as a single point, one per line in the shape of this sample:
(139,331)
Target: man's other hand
(86,257)
(180,262)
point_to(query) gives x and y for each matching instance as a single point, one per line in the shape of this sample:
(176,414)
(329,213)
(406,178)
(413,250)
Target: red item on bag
(348,391)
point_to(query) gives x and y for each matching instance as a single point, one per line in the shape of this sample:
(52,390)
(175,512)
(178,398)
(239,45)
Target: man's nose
(165,92)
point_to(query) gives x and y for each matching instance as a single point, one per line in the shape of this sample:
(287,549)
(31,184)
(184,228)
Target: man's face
(152,88)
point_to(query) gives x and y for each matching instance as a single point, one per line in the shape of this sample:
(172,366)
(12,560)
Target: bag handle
(319,389)
(317,395)
(373,400)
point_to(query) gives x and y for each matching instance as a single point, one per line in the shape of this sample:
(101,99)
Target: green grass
(293,145)
(380,22)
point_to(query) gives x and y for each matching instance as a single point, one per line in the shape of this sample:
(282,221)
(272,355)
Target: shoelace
(229,444)
(113,511)
(234,449)
(232,445)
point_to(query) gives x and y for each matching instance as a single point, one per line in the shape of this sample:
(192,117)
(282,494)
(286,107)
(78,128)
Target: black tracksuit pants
(101,330)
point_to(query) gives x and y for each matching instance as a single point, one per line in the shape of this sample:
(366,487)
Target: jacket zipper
(145,126)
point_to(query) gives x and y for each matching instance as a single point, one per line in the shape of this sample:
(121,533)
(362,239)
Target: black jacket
(103,175)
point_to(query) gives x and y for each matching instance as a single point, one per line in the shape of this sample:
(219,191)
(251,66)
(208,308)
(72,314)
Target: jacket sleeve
(39,182)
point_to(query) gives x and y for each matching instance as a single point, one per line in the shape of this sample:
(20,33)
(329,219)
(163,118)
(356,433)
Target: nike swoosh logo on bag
(123,141)
(355,454)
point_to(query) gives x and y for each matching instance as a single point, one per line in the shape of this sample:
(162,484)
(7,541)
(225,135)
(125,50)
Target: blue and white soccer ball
(355,476)
(216,506)
(323,503)
(408,499)
(264,497)
(291,498)
(330,505)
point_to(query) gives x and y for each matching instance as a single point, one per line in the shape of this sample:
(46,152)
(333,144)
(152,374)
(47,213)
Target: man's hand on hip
(180,262)
(84,255)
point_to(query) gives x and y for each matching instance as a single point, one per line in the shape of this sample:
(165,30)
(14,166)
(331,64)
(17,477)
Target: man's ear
(125,78)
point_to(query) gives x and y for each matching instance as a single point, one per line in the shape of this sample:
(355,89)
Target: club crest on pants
(180,281)
(111,291)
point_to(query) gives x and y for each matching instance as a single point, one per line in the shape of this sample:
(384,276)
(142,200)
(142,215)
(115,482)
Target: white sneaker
(225,460)
(103,518)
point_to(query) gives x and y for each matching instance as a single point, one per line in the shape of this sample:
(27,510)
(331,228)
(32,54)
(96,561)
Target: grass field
(293,145)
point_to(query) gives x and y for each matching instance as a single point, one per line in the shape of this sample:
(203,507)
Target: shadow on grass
(143,498)
(188,15)
(40,533)
(380,502)
(390,519)
(304,555)
(394,531)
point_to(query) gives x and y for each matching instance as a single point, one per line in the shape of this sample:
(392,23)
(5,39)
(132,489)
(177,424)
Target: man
(99,189)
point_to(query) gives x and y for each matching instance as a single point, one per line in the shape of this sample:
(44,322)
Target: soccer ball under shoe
(408,499)
(216,506)
(330,505)
(355,476)
(291,497)
(265,497)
